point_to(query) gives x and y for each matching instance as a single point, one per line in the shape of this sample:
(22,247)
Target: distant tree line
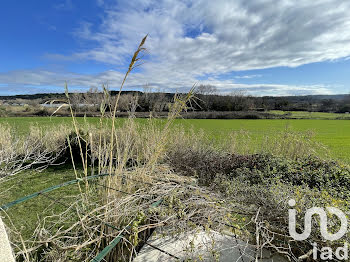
(207,99)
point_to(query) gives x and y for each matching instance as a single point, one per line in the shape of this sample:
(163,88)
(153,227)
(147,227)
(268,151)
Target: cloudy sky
(265,47)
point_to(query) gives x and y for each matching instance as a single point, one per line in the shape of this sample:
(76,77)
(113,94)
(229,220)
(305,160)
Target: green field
(310,115)
(334,134)
(29,182)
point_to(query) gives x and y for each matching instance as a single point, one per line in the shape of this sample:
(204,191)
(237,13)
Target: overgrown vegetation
(166,176)
(190,172)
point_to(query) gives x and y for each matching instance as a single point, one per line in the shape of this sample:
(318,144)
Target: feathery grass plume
(132,65)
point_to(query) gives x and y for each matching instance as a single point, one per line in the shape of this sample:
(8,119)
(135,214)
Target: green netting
(20,200)
(115,241)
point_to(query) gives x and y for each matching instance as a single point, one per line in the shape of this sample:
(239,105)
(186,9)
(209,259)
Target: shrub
(261,169)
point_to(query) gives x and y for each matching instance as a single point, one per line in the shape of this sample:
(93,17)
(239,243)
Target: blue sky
(262,47)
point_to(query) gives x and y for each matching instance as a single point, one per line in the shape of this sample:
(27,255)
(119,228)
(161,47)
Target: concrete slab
(202,246)
(5,247)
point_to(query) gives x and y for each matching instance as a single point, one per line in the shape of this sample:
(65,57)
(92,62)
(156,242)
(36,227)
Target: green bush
(262,169)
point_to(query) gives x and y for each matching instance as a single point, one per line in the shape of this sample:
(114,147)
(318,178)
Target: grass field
(309,115)
(334,134)
(24,216)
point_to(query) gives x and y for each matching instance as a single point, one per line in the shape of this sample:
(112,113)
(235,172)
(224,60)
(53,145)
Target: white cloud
(33,78)
(191,39)
(247,76)
(276,90)
(226,35)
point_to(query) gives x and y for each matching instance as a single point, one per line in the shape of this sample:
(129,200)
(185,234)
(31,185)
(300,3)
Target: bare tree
(133,105)
(206,90)
(76,99)
(93,98)
(159,101)
(129,103)
(147,89)
(240,101)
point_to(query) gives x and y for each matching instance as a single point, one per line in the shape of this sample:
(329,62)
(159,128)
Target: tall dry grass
(128,153)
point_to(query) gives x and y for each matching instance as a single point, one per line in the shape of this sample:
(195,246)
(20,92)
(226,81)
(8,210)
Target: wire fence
(118,238)
(118,231)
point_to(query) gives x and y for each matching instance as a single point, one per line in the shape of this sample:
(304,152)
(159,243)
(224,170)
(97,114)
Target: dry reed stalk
(132,65)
